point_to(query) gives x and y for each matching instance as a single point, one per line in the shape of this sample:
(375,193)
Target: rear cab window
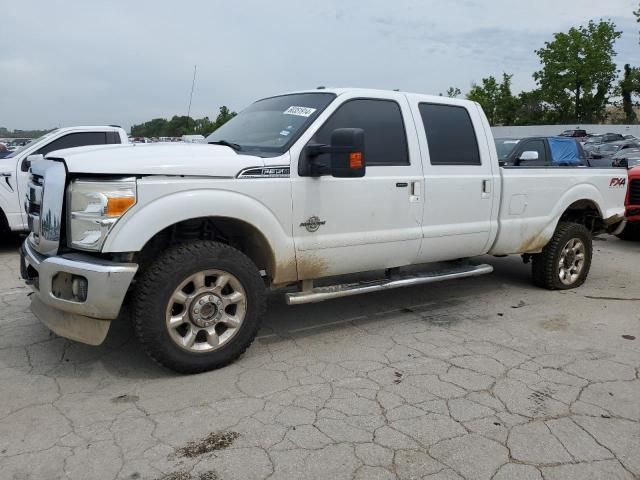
(451,137)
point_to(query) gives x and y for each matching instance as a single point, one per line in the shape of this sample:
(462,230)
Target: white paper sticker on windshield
(299,111)
(284,133)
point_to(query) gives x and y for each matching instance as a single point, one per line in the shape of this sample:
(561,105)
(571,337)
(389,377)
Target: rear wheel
(198,306)
(630,232)
(565,261)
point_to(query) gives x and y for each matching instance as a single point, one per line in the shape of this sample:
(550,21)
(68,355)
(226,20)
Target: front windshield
(18,150)
(505,146)
(271,125)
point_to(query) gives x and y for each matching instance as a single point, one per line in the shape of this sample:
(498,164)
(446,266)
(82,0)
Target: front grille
(634,192)
(34,204)
(43,205)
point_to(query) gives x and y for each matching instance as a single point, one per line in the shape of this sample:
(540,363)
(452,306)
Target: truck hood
(157,159)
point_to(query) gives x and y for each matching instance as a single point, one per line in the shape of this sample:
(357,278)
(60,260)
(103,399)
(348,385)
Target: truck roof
(368,92)
(100,128)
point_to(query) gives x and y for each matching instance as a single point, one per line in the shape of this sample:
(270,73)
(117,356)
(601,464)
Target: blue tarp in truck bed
(564,151)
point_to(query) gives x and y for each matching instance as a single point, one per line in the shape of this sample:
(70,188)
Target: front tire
(198,306)
(565,261)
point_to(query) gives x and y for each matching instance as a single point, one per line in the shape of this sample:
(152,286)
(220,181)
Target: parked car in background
(608,150)
(16,143)
(14,168)
(540,151)
(578,133)
(626,158)
(632,204)
(593,142)
(4,151)
(193,139)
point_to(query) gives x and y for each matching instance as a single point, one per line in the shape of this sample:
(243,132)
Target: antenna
(193,84)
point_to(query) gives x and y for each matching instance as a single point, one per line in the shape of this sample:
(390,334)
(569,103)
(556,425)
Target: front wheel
(198,306)
(565,261)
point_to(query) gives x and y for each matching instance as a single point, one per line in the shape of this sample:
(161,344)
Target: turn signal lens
(355,160)
(116,206)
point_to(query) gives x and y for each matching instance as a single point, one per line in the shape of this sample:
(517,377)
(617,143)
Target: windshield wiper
(235,146)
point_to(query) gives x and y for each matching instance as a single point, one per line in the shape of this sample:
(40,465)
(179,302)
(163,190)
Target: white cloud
(74,62)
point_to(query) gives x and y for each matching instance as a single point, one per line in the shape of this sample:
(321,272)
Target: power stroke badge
(312,224)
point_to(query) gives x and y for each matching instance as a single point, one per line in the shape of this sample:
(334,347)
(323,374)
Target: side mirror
(528,156)
(346,155)
(26,163)
(623,162)
(347,159)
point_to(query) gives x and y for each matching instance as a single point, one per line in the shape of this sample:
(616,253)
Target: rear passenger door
(461,180)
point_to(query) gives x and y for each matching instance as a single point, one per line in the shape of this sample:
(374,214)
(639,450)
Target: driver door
(346,225)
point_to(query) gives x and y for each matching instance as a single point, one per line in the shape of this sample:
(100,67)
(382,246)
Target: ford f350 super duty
(294,191)
(14,169)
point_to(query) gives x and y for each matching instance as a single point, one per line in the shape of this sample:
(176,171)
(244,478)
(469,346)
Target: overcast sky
(123,62)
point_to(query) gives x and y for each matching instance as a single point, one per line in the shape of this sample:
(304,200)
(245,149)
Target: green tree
(578,71)
(531,109)
(153,128)
(453,92)
(496,99)
(629,86)
(487,96)
(224,115)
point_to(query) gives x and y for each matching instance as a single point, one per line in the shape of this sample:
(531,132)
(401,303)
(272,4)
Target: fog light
(79,288)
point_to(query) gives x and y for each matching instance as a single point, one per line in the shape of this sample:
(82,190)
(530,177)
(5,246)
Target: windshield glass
(271,125)
(505,146)
(17,151)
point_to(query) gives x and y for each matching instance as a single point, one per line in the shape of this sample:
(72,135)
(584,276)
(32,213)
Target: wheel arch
(229,217)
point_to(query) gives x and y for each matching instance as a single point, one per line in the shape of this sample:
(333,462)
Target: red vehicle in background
(632,203)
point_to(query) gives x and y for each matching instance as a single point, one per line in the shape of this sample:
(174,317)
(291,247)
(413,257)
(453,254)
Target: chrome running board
(319,294)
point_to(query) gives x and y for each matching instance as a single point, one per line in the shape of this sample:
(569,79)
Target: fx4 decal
(618,182)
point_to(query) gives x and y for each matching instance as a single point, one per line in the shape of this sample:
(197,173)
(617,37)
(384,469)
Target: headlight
(94,207)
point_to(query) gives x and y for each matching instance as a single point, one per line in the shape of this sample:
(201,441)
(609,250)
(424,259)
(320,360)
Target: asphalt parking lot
(477,379)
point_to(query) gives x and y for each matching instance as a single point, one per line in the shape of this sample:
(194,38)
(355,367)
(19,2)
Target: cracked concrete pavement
(485,378)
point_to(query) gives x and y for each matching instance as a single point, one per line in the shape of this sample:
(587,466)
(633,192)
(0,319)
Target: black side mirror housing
(346,152)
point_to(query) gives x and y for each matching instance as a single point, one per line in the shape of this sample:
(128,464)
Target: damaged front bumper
(76,295)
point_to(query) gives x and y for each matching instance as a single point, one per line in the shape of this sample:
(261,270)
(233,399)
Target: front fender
(150,216)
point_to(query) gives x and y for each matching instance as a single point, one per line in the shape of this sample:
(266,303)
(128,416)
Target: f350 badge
(313,224)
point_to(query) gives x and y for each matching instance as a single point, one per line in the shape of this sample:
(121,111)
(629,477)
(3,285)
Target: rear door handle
(486,186)
(415,192)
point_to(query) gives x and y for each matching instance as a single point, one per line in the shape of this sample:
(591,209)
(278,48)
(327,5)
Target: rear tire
(198,306)
(631,232)
(565,261)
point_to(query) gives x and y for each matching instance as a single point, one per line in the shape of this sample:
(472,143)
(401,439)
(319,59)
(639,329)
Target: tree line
(182,125)
(575,84)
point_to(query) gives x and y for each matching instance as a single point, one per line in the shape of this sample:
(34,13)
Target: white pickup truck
(14,168)
(295,189)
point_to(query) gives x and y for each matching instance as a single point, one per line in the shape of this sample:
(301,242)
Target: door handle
(486,186)
(414,192)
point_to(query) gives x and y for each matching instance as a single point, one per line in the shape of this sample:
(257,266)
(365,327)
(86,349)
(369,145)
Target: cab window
(385,138)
